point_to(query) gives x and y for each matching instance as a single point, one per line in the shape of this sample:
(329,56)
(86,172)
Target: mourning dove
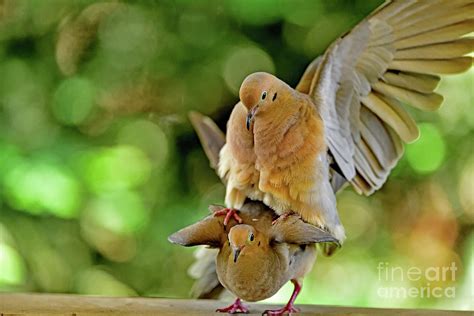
(256,258)
(352,96)
(345,117)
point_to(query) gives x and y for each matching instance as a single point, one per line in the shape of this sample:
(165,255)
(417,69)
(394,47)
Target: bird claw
(229,213)
(282,217)
(236,307)
(288,309)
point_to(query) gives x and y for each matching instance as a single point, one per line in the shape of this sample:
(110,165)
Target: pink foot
(282,217)
(289,307)
(229,213)
(282,311)
(236,307)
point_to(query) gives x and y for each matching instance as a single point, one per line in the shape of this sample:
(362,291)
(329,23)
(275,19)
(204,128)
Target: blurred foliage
(98,163)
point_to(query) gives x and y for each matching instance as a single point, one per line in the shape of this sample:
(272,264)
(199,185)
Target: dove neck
(281,116)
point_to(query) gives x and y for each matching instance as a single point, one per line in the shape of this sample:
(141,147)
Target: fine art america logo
(422,283)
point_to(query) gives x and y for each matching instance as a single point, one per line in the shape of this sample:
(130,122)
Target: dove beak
(236,253)
(250,116)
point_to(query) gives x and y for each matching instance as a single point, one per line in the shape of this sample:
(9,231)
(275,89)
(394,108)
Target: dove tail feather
(211,137)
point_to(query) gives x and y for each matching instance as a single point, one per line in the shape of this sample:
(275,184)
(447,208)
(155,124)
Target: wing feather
(374,133)
(441,35)
(411,81)
(392,58)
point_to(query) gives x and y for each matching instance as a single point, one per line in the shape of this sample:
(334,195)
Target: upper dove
(346,118)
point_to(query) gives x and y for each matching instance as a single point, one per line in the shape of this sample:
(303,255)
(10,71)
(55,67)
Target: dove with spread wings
(345,122)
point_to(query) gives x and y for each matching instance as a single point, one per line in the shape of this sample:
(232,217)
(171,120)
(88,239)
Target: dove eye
(251,237)
(264,95)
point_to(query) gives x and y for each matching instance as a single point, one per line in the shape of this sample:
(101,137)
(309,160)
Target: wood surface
(76,305)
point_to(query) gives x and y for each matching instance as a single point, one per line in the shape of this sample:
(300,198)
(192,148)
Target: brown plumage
(256,258)
(287,147)
(348,108)
(281,158)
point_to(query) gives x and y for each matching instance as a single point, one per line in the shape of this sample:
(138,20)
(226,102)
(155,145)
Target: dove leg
(228,213)
(282,217)
(236,307)
(289,307)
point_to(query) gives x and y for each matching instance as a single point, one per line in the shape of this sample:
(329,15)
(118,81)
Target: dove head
(260,91)
(242,238)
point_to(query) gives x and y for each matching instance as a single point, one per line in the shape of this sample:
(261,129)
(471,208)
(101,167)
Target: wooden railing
(76,305)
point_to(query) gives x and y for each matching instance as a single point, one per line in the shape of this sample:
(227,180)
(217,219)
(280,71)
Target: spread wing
(208,231)
(293,230)
(390,60)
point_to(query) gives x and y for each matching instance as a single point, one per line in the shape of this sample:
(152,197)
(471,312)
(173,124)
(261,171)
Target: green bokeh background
(99,164)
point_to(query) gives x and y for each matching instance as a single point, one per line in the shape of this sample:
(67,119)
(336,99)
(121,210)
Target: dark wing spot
(274,96)
(259,244)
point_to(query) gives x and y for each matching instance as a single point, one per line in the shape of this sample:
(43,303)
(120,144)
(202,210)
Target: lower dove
(256,258)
